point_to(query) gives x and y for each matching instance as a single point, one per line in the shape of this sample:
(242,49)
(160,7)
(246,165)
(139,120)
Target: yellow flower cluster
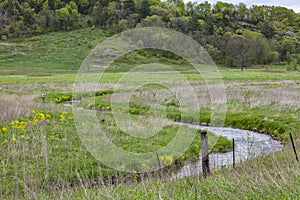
(18,125)
(62,99)
(104,108)
(17,130)
(21,125)
(64,116)
(166,160)
(3,129)
(39,117)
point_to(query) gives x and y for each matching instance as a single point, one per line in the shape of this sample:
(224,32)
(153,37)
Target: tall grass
(13,106)
(274,176)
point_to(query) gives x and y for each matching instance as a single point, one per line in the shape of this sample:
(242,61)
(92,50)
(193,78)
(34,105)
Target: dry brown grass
(257,93)
(35,88)
(252,93)
(13,106)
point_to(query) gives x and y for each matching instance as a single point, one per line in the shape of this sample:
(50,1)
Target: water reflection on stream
(248,144)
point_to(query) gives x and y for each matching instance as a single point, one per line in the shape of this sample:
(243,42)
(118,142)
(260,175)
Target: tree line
(234,35)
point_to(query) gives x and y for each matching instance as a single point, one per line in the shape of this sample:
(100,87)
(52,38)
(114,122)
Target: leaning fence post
(294,147)
(160,166)
(204,153)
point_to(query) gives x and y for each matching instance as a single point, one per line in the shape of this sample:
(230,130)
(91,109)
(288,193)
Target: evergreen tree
(144,9)
(129,7)
(267,30)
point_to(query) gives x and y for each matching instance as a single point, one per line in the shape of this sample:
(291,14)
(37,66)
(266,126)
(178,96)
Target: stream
(248,144)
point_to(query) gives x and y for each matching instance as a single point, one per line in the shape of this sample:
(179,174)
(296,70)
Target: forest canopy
(234,35)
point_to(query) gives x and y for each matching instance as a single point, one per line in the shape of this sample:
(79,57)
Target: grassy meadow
(42,156)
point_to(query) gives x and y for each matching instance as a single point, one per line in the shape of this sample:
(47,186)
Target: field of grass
(42,156)
(271,177)
(48,54)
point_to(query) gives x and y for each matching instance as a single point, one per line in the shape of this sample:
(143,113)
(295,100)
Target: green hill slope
(50,53)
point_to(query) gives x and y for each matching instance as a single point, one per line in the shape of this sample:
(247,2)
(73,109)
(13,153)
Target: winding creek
(248,144)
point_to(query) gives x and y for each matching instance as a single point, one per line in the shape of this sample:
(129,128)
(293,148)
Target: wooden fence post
(44,97)
(233,153)
(160,167)
(204,153)
(294,147)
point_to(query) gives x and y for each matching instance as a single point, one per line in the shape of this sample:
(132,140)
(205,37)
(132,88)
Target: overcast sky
(292,4)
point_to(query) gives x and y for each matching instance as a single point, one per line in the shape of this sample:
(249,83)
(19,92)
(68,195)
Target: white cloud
(291,4)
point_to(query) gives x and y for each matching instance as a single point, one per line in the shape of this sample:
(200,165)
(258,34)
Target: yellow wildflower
(40,116)
(62,118)
(169,160)
(14,122)
(166,160)
(18,124)
(216,171)
(4,129)
(52,137)
(22,126)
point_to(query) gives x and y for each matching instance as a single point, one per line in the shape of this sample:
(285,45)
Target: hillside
(234,35)
(48,53)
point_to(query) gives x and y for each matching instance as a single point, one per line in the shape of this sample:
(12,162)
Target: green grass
(45,153)
(47,160)
(258,75)
(227,76)
(274,119)
(9,79)
(274,176)
(48,54)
